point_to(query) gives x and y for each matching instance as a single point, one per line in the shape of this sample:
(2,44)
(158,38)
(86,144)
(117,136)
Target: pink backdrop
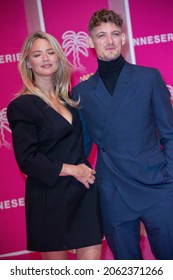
(152,27)
(67,20)
(12,32)
(75,18)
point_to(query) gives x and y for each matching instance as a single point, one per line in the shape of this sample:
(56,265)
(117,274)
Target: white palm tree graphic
(171,92)
(4,126)
(75,43)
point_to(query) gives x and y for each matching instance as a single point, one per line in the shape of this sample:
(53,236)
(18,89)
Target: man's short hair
(104,15)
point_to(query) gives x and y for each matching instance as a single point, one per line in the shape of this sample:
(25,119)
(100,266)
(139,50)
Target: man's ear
(90,42)
(123,39)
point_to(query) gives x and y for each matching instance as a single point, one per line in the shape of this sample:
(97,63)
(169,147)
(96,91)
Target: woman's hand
(81,172)
(85,174)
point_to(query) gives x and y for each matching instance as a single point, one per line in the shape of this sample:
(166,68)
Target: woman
(62,211)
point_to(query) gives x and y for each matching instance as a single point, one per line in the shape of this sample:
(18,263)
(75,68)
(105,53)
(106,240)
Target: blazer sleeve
(87,140)
(30,160)
(163,112)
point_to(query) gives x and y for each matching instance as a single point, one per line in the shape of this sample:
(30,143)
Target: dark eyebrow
(104,32)
(100,32)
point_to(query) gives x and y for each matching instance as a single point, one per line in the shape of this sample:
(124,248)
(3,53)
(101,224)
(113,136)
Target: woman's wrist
(67,170)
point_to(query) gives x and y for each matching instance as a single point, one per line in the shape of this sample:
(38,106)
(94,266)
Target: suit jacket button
(103,149)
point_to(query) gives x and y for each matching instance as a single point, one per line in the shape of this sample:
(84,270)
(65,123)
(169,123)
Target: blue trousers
(123,238)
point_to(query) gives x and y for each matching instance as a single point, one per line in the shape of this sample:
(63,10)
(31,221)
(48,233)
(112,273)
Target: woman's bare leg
(55,255)
(89,253)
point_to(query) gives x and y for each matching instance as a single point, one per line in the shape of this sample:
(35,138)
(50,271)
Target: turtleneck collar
(109,72)
(111,66)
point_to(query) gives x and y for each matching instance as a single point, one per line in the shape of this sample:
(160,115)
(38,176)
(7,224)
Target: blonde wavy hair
(62,76)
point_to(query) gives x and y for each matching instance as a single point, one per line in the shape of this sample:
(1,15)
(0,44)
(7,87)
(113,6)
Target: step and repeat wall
(13,30)
(152,29)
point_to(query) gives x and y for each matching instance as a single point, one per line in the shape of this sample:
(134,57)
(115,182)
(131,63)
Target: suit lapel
(121,88)
(100,92)
(119,94)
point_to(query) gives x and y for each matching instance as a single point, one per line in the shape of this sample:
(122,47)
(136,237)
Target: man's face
(107,39)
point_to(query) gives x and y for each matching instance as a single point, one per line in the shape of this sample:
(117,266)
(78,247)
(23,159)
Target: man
(127,111)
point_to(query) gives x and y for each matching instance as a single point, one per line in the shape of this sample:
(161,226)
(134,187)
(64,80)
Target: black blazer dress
(61,213)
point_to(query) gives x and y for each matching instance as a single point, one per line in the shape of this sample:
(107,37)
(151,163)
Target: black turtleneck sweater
(109,72)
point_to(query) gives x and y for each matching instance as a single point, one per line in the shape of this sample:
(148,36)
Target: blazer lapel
(100,91)
(119,94)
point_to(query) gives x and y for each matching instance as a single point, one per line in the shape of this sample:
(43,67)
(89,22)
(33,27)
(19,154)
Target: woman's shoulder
(24,107)
(24,98)
(25,101)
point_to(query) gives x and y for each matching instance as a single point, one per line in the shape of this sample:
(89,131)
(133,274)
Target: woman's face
(42,59)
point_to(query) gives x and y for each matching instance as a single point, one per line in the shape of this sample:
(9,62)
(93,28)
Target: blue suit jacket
(133,130)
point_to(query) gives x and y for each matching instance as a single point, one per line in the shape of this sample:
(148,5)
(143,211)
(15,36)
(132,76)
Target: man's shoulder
(140,68)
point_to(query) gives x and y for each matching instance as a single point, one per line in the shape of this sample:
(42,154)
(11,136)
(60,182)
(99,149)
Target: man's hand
(85,77)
